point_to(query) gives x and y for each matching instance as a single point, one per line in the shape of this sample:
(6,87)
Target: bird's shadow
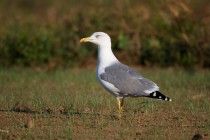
(64,113)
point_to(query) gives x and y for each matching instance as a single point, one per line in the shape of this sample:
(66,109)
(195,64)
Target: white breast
(105,59)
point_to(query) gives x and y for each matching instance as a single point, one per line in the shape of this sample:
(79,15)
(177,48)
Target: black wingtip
(158,95)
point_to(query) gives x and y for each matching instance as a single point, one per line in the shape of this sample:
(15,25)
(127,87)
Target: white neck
(105,56)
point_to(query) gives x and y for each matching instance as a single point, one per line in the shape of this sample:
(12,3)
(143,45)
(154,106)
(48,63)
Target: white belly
(108,86)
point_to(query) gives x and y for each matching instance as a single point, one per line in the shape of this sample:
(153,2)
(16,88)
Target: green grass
(70,104)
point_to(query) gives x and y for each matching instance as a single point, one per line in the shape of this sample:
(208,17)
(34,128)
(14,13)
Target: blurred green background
(163,33)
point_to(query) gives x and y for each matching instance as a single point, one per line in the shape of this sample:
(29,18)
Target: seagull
(119,79)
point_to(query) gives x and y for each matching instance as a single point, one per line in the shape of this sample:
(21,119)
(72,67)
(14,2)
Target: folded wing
(128,81)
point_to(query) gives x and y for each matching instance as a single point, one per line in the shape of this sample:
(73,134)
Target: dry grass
(69,104)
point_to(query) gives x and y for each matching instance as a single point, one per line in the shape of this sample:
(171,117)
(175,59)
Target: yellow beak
(87,39)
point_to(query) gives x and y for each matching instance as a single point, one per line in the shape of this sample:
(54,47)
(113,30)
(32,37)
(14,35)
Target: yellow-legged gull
(119,79)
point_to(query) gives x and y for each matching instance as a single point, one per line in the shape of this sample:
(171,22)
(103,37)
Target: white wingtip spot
(160,97)
(166,99)
(170,100)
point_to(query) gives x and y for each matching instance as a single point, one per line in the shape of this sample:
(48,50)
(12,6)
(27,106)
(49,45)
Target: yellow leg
(120,104)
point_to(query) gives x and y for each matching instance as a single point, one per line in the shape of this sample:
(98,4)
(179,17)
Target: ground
(70,104)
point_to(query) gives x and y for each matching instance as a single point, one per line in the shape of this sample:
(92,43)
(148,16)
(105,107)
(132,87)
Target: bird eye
(97,36)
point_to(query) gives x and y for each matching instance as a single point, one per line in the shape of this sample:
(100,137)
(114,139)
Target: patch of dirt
(53,123)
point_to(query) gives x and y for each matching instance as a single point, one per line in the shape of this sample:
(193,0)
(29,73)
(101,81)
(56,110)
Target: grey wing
(128,81)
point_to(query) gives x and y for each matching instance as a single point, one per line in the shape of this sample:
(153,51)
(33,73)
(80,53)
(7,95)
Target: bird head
(98,38)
